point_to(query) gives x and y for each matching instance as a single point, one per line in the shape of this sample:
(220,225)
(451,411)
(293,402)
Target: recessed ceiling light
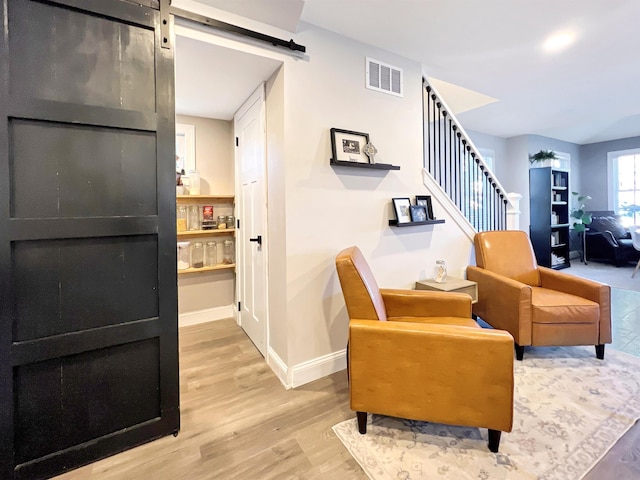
(558,41)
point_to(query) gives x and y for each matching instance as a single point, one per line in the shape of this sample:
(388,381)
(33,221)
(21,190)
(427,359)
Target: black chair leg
(494,440)
(362,422)
(519,352)
(600,352)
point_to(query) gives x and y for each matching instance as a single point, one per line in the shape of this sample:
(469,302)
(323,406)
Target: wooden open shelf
(229,266)
(204,199)
(206,233)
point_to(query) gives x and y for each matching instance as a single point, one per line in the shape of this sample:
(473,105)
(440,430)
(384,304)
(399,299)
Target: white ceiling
(586,93)
(213,81)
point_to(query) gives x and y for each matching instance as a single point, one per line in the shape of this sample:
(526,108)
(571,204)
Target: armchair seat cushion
(555,307)
(458,321)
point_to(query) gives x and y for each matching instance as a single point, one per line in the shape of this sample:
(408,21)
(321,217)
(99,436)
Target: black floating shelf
(375,166)
(394,223)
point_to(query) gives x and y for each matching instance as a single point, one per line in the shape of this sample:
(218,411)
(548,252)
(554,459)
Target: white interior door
(249,127)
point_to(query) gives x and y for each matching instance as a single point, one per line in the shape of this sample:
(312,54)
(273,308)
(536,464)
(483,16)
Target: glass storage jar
(183,255)
(194,182)
(194,217)
(440,272)
(181,218)
(231,221)
(222,222)
(197,255)
(210,254)
(227,252)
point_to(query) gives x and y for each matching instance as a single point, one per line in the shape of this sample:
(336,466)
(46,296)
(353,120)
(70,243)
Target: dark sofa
(608,240)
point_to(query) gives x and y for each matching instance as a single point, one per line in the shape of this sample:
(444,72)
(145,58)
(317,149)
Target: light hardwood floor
(238,422)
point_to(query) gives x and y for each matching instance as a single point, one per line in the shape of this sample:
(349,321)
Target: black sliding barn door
(88,314)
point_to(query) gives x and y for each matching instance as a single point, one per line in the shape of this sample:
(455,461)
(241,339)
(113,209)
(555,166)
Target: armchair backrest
(508,253)
(359,287)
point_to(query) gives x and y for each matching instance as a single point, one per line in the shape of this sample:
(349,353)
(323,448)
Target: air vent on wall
(384,77)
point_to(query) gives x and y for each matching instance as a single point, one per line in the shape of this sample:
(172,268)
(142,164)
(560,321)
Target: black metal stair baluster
(456,163)
(465,201)
(428,129)
(433,126)
(445,163)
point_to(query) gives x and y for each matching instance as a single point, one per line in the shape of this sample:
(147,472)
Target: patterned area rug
(569,410)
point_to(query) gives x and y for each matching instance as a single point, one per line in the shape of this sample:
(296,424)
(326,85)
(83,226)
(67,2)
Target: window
(625,173)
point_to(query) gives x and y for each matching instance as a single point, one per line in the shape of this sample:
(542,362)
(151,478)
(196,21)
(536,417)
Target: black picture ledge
(374,166)
(394,223)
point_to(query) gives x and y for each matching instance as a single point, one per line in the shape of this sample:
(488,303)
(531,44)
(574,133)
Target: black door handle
(257,239)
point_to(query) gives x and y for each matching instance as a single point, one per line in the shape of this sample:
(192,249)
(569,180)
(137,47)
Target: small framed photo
(418,213)
(402,206)
(425,200)
(348,146)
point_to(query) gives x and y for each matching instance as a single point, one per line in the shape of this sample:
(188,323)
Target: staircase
(454,168)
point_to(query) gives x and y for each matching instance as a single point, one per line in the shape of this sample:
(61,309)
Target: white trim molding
(308,371)
(311,370)
(206,315)
(279,367)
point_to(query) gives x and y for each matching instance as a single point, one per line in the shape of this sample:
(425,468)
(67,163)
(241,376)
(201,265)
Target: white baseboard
(318,367)
(206,315)
(278,367)
(306,372)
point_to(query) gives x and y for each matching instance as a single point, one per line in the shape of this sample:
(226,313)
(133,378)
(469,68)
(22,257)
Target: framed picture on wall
(425,200)
(402,207)
(348,146)
(418,213)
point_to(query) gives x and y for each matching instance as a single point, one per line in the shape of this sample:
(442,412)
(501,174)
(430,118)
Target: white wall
(329,209)
(214,153)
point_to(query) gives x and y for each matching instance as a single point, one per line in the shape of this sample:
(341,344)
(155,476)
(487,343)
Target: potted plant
(544,158)
(580,218)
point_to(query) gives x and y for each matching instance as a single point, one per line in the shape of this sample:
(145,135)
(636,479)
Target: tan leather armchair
(419,355)
(537,305)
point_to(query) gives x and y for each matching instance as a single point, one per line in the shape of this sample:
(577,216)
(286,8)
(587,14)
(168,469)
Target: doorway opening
(214,83)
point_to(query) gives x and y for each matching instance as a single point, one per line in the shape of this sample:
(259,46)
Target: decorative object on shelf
(349,146)
(543,158)
(227,252)
(418,213)
(580,218)
(402,209)
(183,255)
(197,255)
(208,222)
(440,271)
(191,182)
(193,218)
(426,201)
(210,254)
(370,151)
(181,218)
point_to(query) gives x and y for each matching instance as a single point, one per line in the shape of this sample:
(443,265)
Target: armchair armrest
(420,303)
(440,373)
(503,303)
(582,287)
(567,283)
(607,236)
